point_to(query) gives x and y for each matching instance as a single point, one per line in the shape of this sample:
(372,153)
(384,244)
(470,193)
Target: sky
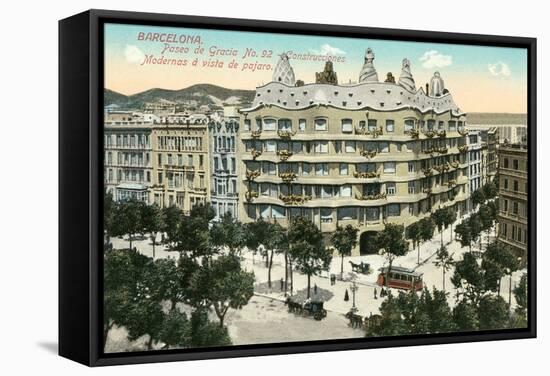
(480,78)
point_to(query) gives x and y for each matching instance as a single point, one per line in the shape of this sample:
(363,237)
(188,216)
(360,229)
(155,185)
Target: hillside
(200,94)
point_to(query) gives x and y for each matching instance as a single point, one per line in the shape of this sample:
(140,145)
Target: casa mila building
(364,154)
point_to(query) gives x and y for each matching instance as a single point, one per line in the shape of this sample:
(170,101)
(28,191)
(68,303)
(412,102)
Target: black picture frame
(81,185)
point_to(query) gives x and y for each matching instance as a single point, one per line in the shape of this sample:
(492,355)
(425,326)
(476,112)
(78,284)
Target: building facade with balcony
(128,171)
(513,191)
(180,163)
(364,154)
(223,163)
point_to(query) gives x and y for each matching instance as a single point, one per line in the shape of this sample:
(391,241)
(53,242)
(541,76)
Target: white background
(28,211)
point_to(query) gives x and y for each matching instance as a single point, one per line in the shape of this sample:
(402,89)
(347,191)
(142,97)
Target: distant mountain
(200,94)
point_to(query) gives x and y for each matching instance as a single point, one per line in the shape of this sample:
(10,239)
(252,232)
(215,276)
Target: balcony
(442,134)
(374,196)
(366,175)
(293,199)
(288,177)
(250,195)
(415,135)
(179,167)
(375,132)
(284,154)
(429,133)
(463,148)
(435,150)
(256,134)
(252,174)
(369,153)
(255,153)
(427,172)
(285,134)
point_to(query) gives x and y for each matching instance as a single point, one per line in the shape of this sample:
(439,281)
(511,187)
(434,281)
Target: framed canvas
(234,187)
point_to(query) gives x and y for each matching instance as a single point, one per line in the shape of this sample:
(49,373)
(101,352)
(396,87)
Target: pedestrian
(282,284)
(346,296)
(332,279)
(375,297)
(315,289)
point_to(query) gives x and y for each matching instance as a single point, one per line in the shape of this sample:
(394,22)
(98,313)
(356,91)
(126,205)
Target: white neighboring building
(128,158)
(476,169)
(223,163)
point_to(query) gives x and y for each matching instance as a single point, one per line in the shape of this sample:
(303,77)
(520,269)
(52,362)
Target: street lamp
(353,289)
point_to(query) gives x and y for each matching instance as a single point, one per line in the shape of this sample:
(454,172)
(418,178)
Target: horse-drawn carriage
(307,308)
(362,267)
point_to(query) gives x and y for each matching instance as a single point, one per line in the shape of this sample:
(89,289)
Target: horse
(355,321)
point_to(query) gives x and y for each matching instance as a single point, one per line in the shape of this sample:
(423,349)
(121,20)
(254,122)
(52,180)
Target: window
(347,126)
(321,169)
(296,147)
(372,125)
(408,146)
(285,125)
(516,186)
(343,168)
(392,210)
(350,146)
(320,146)
(410,166)
(345,190)
(441,125)
(320,124)
(431,125)
(306,167)
(515,208)
(452,125)
(160,159)
(505,183)
(268,168)
(515,163)
(390,189)
(247,124)
(389,167)
(270,125)
(326,215)
(505,205)
(270,145)
(411,188)
(409,125)
(506,162)
(373,214)
(302,125)
(347,213)
(390,126)
(383,147)
(278,211)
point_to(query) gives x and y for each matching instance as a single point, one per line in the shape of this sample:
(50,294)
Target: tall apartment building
(180,164)
(476,158)
(513,191)
(364,154)
(223,162)
(127,157)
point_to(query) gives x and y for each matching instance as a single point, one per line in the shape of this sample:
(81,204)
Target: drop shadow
(50,347)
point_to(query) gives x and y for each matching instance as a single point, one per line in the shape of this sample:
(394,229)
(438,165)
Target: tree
(344,239)
(427,228)
(449,219)
(489,190)
(521,295)
(153,222)
(193,233)
(464,234)
(121,272)
(486,218)
(128,219)
(204,333)
(477,197)
(413,234)
(228,233)
(307,248)
(222,284)
(175,330)
(438,218)
(499,260)
(469,278)
(444,261)
(493,313)
(475,226)
(465,316)
(391,322)
(172,216)
(275,241)
(108,214)
(392,244)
